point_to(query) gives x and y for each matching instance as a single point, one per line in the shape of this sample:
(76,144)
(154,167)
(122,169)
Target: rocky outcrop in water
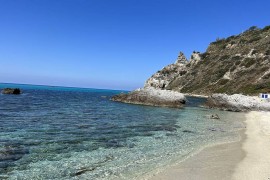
(15,91)
(237,102)
(152,97)
(214,116)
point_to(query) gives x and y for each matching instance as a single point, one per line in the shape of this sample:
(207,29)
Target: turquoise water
(75,133)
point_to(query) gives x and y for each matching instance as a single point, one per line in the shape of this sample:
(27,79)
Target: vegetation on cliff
(237,64)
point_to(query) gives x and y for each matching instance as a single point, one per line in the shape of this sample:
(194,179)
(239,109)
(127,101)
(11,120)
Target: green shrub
(204,55)
(253,39)
(267,76)
(253,28)
(255,88)
(224,57)
(249,62)
(236,58)
(223,81)
(237,63)
(242,41)
(233,68)
(266,28)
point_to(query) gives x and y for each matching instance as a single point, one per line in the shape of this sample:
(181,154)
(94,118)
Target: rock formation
(162,78)
(214,116)
(195,58)
(237,102)
(11,91)
(152,97)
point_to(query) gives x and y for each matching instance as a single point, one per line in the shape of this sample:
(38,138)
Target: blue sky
(113,44)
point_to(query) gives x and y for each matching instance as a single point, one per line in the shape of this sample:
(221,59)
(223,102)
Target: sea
(78,133)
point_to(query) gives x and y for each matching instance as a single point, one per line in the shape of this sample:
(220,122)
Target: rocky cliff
(237,64)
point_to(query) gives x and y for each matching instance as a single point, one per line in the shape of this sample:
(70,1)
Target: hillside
(237,64)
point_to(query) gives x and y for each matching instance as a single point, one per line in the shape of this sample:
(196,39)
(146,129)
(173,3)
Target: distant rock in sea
(152,97)
(11,91)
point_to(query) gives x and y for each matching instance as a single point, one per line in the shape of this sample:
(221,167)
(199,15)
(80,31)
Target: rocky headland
(238,64)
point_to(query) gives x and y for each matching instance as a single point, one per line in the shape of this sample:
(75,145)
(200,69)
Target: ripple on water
(55,134)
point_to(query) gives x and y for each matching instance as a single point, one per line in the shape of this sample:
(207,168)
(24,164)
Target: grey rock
(161,79)
(237,103)
(195,58)
(181,59)
(214,116)
(152,97)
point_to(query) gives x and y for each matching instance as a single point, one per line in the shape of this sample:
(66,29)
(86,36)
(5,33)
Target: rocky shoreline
(237,103)
(166,98)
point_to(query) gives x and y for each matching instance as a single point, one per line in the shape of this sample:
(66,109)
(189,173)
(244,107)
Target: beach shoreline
(233,160)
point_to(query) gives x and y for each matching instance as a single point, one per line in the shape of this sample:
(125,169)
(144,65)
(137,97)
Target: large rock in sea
(152,97)
(237,102)
(11,91)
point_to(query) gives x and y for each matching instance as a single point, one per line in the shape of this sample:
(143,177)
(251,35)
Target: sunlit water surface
(73,133)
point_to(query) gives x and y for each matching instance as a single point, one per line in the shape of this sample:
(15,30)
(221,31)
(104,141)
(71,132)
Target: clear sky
(113,44)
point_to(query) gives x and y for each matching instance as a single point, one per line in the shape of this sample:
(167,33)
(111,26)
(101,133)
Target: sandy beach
(256,164)
(247,159)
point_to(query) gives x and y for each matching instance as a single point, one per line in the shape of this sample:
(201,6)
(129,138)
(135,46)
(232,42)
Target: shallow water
(73,133)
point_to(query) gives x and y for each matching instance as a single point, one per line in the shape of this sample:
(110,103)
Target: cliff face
(162,78)
(237,64)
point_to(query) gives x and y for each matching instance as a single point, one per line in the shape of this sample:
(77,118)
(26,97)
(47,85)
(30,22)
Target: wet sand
(247,159)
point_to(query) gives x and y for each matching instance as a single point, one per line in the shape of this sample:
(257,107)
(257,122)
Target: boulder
(214,116)
(195,58)
(11,91)
(152,97)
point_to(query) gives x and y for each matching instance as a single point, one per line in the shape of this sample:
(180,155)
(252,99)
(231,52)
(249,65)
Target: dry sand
(248,159)
(256,164)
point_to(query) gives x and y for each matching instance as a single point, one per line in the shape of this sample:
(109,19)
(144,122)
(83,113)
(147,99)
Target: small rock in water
(11,91)
(187,131)
(212,129)
(82,171)
(214,116)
